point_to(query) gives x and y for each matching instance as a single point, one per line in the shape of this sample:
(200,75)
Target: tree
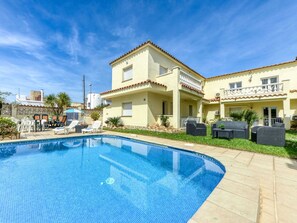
(3,95)
(63,101)
(95,115)
(58,102)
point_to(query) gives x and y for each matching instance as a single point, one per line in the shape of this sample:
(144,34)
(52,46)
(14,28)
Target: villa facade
(148,82)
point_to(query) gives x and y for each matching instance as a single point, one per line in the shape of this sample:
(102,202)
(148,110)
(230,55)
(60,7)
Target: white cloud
(19,40)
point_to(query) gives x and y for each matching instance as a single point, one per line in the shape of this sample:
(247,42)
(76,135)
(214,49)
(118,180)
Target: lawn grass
(289,151)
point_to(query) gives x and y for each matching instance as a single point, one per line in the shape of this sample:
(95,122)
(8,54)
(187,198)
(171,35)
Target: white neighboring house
(94,99)
(36,98)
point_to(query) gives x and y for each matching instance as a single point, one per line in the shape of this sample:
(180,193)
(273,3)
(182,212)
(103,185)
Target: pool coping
(235,199)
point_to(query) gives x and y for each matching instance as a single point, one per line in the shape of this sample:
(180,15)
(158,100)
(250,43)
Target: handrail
(260,89)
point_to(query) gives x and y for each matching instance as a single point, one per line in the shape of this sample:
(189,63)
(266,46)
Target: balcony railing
(189,80)
(255,90)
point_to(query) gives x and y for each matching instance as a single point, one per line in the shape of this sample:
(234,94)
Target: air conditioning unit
(217,95)
(217,112)
(294,118)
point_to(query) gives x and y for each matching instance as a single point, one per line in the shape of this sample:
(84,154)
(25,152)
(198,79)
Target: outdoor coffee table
(222,133)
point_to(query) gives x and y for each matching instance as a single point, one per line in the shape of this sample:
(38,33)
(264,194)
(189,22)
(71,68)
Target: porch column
(199,109)
(286,104)
(222,110)
(176,99)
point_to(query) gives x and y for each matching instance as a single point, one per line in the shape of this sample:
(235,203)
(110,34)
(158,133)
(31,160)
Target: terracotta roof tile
(254,96)
(134,85)
(214,99)
(192,89)
(294,90)
(159,48)
(257,68)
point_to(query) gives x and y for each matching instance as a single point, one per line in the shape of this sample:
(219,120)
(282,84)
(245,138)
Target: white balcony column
(199,109)
(286,104)
(222,110)
(176,99)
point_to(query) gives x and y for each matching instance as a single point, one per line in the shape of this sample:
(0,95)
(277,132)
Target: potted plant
(221,126)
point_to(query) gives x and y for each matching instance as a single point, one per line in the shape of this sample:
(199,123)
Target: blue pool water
(102,179)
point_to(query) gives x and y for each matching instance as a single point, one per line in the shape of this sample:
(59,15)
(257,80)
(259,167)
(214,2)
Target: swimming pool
(102,179)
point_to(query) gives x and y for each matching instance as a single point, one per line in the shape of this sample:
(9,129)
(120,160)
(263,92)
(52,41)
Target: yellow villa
(148,82)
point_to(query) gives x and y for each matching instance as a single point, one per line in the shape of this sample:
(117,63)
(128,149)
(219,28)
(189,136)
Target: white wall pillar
(222,110)
(199,109)
(176,99)
(286,104)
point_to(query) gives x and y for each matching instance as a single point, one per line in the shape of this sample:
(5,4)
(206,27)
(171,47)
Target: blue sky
(50,44)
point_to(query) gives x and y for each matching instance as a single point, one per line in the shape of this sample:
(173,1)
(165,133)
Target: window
(235,85)
(127,109)
(270,84)
(127,73)
(270,80)
(163,70)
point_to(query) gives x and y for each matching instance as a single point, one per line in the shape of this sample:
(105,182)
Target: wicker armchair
(266,135)
(195,129)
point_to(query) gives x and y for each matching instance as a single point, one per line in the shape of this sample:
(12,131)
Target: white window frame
(269,80)
(235,85)
(127,109)
(164,69)
(130,77)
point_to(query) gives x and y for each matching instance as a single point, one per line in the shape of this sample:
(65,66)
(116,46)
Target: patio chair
(62,120)
(66,129)
(266,135)
(195,129)
(94,128)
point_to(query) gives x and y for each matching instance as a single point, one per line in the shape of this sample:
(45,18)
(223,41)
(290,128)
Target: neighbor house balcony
(265,90)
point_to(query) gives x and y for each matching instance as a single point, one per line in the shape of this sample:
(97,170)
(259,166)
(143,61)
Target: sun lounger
(94,128)
(66,129)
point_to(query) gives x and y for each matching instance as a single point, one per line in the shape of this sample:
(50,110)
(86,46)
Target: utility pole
(84,91)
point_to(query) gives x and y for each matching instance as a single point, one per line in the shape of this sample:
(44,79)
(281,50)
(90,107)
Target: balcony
(190,81)
(254,91)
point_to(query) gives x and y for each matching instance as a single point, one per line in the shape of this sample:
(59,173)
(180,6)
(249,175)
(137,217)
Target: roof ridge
(252,69)
(159,48)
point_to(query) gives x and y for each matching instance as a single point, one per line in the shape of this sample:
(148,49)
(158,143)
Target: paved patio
(255,188)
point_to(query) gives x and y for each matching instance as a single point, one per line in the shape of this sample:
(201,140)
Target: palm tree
(50,101)
(58,103)
(63,101)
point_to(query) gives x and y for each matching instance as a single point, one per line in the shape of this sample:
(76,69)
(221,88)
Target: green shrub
(114,121)
(95,115)
(164,120)
(7,127)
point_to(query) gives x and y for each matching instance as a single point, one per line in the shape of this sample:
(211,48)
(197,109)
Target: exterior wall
(284,72)
(294,107)
(139,109)
(155,106)
(139,61)
(155,59)
(210,110)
